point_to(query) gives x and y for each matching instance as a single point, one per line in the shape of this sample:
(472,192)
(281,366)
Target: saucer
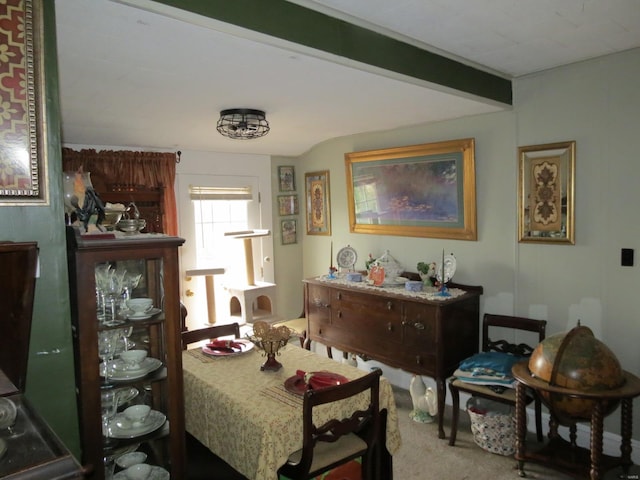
(120,372)
(143,315)
(154,421)
(157,473)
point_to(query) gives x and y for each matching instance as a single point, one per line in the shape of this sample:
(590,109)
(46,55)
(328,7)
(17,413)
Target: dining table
(248,418)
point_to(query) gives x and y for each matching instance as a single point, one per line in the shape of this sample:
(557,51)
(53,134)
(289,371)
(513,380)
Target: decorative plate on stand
(449,268)
(347,258)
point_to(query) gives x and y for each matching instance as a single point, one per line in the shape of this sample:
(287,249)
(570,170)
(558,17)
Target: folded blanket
(471,377)
(490,363)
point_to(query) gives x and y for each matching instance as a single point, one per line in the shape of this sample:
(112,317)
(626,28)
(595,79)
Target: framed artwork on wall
(286,178)
(23,164)
(546,193)
(318,203)
(424,190)
(289,231)
(288,205)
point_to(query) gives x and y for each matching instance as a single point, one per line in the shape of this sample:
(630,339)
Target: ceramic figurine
(424,401)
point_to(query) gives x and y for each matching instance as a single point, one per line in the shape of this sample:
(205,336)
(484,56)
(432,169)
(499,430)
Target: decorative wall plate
(449,268)
(347,257)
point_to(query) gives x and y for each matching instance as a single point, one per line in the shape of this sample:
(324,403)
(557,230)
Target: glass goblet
(107,342)
(109,403)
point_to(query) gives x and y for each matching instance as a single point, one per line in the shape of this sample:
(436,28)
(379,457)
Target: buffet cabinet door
(125,310)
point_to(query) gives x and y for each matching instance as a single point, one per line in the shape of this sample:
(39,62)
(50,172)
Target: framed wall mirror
(546,193)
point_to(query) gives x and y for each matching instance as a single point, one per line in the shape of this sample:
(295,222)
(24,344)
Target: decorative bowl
(129,459)
(137,414)
(140,471)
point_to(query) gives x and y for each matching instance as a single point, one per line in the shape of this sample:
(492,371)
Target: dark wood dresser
(410,331)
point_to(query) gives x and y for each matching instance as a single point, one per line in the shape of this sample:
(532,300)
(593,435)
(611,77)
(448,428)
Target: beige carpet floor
(423,456)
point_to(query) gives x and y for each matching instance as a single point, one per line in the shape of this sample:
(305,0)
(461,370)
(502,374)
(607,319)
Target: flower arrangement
(427,272)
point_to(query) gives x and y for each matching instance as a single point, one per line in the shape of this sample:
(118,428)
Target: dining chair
(505,396)
(339,440)
(206,333)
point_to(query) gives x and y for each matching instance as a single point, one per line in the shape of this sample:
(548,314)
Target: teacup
(140,306)
(133,358)
(129,459)
(140,471)
(137,414)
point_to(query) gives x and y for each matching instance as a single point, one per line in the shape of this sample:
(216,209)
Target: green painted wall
(50,377)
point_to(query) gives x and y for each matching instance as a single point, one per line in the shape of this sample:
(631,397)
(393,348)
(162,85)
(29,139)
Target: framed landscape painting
(424,190)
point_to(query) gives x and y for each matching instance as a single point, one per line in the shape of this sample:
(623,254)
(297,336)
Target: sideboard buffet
(419,332)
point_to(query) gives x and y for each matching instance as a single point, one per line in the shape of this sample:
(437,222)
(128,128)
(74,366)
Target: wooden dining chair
(206,333)
(339,440)
(506,396)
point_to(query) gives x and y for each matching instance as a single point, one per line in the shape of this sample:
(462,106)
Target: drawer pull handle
(340,314)
(389,305)
(339,295)
(418,326)
(318,303)
(418,362)
(390,327)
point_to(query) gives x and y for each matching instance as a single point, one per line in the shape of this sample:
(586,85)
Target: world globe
(575,360)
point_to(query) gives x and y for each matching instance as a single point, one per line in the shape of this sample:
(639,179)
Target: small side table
(564,455)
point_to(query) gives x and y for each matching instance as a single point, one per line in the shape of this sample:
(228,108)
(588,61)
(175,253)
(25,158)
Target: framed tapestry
(424,190)
(23,166)
(546,193)
(318,203)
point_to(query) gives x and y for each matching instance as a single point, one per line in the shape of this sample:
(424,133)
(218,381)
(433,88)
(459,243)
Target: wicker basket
(492,425)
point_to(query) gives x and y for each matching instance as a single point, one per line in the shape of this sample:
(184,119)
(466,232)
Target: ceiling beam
(294,23)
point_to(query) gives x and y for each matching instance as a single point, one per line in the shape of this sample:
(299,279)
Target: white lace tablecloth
(429,293)
(247,418)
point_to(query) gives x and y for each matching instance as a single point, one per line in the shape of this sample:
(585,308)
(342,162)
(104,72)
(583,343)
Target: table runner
(247,418)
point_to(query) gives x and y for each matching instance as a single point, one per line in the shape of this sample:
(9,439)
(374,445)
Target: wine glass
(113,288)
(107,343)
(130,283)
(109,402)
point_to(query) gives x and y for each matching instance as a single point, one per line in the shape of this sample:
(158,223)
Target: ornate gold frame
(23,162)
(546,186)
(318,203)
(426,190)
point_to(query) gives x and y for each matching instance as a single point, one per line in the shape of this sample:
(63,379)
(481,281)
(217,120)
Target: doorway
(209,206)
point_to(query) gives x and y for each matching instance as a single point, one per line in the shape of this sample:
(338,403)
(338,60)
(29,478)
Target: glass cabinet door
(126,320)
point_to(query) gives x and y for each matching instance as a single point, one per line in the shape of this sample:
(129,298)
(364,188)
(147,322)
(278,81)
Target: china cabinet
(104,272)
(404,330)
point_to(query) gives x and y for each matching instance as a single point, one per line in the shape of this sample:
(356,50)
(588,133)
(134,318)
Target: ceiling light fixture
(243,123)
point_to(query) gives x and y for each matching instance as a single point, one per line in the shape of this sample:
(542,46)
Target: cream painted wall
(595,103)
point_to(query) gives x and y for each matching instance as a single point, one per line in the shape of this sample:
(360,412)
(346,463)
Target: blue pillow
(490,363)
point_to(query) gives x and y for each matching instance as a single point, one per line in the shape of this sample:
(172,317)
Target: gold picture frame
(426,190)
(546,193)
(288,205)
(23,163)
(318,203)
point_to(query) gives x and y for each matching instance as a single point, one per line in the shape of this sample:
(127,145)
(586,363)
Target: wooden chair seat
(298,327)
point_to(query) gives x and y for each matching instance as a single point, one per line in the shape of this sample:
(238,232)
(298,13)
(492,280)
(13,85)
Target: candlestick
(331,256)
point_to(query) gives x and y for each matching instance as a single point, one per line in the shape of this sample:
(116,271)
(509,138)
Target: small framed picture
(287,205)
(287,178)
(289,231)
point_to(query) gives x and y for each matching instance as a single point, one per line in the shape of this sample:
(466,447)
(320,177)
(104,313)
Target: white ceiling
(143,79)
